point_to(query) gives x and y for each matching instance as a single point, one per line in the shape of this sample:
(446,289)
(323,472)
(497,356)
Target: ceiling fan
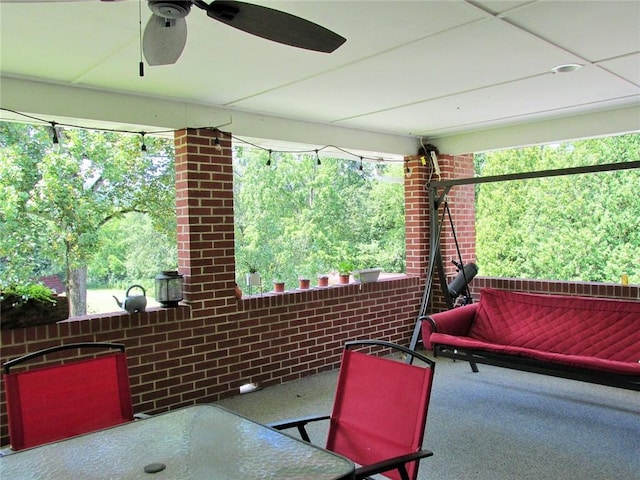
(166,32)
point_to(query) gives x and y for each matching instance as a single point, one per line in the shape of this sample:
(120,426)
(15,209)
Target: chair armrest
(298,423)
(391,464)
(456,321)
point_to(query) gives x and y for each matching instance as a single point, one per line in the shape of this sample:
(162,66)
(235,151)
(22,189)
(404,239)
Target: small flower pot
(278,287)
(367,275)
(304,283)
(323,281)
(344,279)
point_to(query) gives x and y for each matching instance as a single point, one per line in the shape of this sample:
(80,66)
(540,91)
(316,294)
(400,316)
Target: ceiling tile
(571,24)
(456,61)
(502,104)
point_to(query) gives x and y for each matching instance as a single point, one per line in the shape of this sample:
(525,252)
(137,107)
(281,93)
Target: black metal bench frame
(515,362)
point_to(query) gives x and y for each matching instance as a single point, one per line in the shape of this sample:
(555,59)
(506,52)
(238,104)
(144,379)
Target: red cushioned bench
(589,339)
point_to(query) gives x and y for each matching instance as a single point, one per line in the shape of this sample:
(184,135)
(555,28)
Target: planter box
(367,275)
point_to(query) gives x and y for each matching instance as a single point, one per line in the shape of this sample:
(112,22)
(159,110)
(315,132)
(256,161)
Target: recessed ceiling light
(566,68)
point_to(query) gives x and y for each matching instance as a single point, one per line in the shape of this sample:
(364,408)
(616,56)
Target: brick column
(461,202)
(416,217)
(204,202)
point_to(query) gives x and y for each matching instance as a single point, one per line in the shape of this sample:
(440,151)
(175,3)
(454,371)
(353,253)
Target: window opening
(297,217)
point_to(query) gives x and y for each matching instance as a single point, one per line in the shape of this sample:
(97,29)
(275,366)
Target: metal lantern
(169,288)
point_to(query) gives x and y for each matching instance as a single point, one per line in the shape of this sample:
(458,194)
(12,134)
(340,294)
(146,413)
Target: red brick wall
(204,202)
(583,289)
(176,359)
(417,224)
(461,201)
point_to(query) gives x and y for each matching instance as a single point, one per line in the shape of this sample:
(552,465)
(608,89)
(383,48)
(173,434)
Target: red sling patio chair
(55,402)
(379,412)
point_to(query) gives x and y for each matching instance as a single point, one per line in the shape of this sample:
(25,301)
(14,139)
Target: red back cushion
(61,401)
(571,325)
(380,409)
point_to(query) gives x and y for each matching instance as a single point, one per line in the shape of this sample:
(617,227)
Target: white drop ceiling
(463,75)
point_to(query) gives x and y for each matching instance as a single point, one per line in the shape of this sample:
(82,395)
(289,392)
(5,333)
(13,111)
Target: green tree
(131,250)
(296,217)
(60,200)
(20,246)
(582,227)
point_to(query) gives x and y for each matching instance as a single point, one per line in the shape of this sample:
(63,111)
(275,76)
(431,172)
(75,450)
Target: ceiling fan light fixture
(566,68)
(164,40)
(170,9)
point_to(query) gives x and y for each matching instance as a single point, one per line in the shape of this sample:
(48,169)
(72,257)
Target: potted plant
(367,275)
(323,280)
(275,272)
(253,277)
(304,282)
(278,286)
(344,270)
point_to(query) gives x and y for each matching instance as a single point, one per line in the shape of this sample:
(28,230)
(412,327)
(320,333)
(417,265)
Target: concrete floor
(496,424)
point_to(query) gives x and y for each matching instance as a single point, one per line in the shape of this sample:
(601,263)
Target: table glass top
(200,442)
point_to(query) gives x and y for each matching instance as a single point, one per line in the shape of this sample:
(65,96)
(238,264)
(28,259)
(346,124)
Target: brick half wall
(556,287)
(175,360)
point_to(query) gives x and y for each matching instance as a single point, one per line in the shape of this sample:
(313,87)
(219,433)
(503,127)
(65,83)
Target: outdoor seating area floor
(498,424)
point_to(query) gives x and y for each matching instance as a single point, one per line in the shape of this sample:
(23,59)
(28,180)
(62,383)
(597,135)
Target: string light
(216,141)
(143,147)
(55,139)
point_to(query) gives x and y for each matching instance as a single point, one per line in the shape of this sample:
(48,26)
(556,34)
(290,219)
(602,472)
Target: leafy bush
(19,295)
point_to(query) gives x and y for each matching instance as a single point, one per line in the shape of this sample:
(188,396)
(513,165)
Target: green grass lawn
(102,301)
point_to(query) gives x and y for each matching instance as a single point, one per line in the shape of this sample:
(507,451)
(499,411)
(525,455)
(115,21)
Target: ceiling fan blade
(164,40)
(274,25)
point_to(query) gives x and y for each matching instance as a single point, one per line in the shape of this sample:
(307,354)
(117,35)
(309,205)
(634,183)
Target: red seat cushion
(605,329)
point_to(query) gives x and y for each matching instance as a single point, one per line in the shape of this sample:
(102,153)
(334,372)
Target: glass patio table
(198,442)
